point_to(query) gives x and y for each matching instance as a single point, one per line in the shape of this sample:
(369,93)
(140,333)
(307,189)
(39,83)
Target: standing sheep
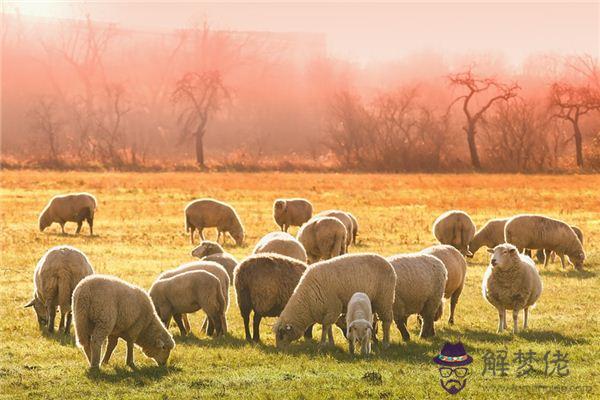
(55,277)
(281,243)
(490,235)
(420,284)
(344,218)
(212,251)
(323,238)
(354,228)
(73,207)
(456,267)
(529,231)
(456,229)
(291,212)
(542,255)
(189,292)
(325,289)
(359,320)
(208,213)
(263,285)
(511,282)
(108,307)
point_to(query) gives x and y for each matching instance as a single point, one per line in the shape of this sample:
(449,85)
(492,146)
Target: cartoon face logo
(452,362)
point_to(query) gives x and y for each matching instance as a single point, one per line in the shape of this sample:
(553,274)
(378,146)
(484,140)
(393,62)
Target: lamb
(359,319)
(325,290)
(542,255)
(189,292)
(528,231)
(73,207)
(323,238)
(345,219)
(291,212)
(511,282)
(456,268)
(264,283)
(281,243)
(491,235)
(212,251)
(203,265)
(420,284)
(108,307)
(207,213)
(54,279)
(455,228)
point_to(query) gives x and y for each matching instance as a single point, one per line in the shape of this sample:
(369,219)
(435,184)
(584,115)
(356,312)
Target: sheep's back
(456,266)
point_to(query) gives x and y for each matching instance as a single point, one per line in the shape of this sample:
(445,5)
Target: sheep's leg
(365,346)
(180,324)
(110,347)
(61,322)
(51,318)
(453,302)
(330,335)
(246,318)
(501,317)
(351,344)
(192,229)
(201,233)
(79,224)
(90,221)
(386,332)
(186,322)
(256,326)
(525,317)
(210,326)
(219,237)
(308,332)
(204,327)
(68,322)
(562,260)
(546,261)
(130,362)
(324,333)
(85,343)
(401,324)
(515,320)
(427,330)
(62,227)
(96,349)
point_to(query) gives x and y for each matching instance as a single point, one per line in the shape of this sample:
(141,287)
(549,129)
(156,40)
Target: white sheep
(291,212)
(208,213)
(281,243)
(455,228)
(106,307)
(323,238)
(344,218)
(57,273)
(511,282)
(543,254)
(212,251)
(359,323)
(490,235)
(73,207)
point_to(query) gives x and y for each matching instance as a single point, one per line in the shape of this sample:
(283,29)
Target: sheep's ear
(513,251)
(491,251)
(30,304)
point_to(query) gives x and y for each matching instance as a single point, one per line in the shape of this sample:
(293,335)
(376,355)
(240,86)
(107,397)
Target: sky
(364,32)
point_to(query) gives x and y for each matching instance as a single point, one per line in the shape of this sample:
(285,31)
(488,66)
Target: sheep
(490,235)
(359,320)
(108,307)
(212,251)
(420,284)
(263,284)
(528,231)
(354,228)
(281,243)
(291,212)
(325,290)
(456,268)
(455,228)
(203,265)
(542,255)
(344,218)
(57,273)
(73,207)
(189,292)
(207,213)
(511,282)
(323,238)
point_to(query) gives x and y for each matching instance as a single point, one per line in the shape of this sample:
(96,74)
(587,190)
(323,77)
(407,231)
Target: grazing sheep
(529,231)
(344,218)
(456,267)
(511,282)
(281,243)
(456,229)
(212,251)
(263,284)
(73,207)
(420,284)
(542,255)
(54,279)
(354,228)
(208,213)
(359,319)
(291,212)
(490,235)
(325,289)
(323,238)
(108,307)
(203,265)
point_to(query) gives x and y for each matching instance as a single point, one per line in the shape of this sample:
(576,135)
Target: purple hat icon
(453,355)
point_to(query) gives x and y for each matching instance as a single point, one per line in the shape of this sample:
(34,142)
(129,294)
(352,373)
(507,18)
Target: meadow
(140,232)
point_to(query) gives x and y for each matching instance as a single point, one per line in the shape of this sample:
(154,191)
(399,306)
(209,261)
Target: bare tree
(475,103)
(44,120)
(200,95)
(109,121)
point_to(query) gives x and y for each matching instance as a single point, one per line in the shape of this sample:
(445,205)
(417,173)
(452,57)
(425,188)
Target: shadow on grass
(60,337)
(568,273)
(225,341)
(138,377)
(532,335)
(84,235)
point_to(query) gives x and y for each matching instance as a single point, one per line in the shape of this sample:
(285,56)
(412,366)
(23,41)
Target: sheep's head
(40,311)
(238,235)
(44,220)
(285,334)
(279,209)
(206,248)
(160,349)
(360,330)
(577,259)
(504,256)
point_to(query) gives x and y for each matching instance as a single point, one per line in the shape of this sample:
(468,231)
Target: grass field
(140,233)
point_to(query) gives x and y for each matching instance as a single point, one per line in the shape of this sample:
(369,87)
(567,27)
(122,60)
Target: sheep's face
(238,236)
(279,207)
(160,350)
(44,221)
(504,256)
(578,259)
(360,330)
(285,334)
(40,311)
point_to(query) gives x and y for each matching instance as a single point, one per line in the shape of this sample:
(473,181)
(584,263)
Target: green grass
(140,233)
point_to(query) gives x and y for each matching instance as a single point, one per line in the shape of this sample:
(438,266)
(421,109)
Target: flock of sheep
(301,280)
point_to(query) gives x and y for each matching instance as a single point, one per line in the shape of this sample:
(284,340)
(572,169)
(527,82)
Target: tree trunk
(470,129)
(200,148)
(578,143)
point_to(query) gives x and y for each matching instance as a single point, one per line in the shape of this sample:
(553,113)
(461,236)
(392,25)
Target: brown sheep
(291,212)
(73,207)
(208,213)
